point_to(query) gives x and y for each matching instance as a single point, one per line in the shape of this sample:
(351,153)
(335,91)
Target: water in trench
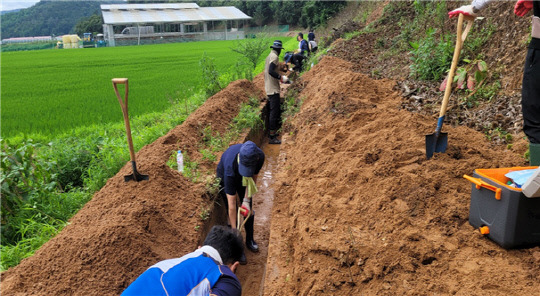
(252,275)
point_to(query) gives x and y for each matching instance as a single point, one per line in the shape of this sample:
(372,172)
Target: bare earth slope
(360,211)
(127,227)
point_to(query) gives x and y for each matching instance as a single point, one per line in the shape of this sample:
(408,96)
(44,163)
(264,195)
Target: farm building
(130,24)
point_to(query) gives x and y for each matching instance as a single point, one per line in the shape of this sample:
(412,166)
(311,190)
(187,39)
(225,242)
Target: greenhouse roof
(122,14)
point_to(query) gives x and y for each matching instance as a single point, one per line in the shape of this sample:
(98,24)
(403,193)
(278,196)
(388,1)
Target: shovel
(240,224)
(438,141)
(124,105)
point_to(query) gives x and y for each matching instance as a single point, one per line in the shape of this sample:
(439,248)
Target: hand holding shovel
(438,141)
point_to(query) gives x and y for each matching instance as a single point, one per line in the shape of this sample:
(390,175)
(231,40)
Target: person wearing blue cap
(271,85)
(238,169)
(207,271)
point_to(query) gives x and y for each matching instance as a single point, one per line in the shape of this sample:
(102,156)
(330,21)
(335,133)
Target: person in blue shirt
(238,168)
(207,271)
(300,54)
(311,35)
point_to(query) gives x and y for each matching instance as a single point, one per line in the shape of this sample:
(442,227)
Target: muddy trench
(252,274)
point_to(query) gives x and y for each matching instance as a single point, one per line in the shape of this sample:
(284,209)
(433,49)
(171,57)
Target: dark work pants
(298,61)
(250,222)
(530,95)
(274,113)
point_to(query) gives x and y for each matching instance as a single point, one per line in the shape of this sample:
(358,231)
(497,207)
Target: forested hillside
(61,17)
(47,18)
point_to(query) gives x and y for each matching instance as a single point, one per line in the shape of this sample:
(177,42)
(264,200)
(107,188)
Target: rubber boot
(250,242)
(534,154)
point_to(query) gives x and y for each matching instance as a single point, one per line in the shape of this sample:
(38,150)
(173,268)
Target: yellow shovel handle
(240,224)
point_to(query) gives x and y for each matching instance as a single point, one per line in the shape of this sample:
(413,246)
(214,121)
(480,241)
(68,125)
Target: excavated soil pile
(504,51)
(360,211)
(127,227)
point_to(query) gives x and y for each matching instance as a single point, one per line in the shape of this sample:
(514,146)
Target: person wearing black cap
(271,85)
(238,169)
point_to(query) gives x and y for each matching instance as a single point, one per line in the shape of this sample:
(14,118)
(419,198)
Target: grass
(212,142)
(39,193)
(50,92)
(45,180)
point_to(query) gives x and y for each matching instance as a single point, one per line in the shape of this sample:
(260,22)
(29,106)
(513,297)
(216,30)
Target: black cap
(277,45)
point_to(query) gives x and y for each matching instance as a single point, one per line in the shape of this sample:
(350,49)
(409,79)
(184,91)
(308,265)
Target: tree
(92,24)
(252,49)
(47,18)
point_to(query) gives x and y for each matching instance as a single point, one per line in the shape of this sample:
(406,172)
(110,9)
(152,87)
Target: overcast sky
(16,4)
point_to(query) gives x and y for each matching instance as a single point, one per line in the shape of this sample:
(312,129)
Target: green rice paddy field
(49,92)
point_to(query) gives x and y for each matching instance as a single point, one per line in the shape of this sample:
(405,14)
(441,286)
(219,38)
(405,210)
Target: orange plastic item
(484,230)
(498,175)
(479,184)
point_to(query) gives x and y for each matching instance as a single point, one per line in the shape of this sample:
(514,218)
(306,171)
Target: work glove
(284,79)
(466,10)
(245,207)
(522,7)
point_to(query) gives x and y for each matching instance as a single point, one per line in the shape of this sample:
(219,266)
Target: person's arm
(480,4)
(272,71)
(231,200)
(227,284)
(228,183)
(470,10)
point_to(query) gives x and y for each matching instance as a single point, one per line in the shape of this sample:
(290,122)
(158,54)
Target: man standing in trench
(530,92)
(238,170)
(271,85)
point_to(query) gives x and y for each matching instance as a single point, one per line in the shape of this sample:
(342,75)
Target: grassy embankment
(65,135)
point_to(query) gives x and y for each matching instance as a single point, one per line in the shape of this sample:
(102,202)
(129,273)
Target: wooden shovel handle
(124,106)
(461,36)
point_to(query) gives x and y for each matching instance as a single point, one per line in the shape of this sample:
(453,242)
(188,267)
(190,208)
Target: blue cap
(277,44)
(249,158)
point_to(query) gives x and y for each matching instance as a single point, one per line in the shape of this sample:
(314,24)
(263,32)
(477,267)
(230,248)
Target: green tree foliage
(47,18)
(284,12)
(209,75)
(92,24)
(252,49)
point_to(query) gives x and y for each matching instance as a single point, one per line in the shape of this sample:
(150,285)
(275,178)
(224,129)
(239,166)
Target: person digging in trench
(530,91)
(207,271)
(238,169)
(271,85)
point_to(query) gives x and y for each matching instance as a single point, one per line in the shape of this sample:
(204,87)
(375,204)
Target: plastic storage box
(501,212)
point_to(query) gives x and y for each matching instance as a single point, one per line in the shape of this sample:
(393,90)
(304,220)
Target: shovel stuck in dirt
(124,105)
(438,141)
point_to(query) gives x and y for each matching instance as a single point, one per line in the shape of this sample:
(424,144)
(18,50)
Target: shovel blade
(436,143)
(136,175)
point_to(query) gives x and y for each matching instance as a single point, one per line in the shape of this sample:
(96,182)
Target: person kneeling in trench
(207,271)
(237,170)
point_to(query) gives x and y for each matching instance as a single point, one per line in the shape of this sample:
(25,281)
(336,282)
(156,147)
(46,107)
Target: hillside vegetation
(413,43)
(47,18)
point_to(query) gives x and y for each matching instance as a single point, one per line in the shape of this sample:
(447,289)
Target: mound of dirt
(360,211)
(504,52)
(127,227)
